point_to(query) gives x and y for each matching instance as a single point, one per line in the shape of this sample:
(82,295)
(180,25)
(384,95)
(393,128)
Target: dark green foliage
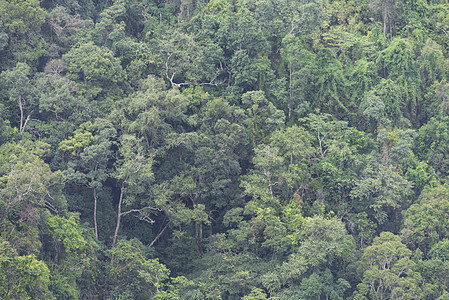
(214,149)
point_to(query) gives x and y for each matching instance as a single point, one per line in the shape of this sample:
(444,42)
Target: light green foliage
(13,12)
(20,92)
(425,222)
(28,182)
(135,275)
(256,294)
(280,168)
(388,271)
(22,277)
(82,138)
(395,146)
(65,230)
(431,144)
(90,147)
(90,63)
(96,71)
(323,243)
(268,145)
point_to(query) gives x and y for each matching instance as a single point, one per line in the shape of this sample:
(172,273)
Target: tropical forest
(224,149)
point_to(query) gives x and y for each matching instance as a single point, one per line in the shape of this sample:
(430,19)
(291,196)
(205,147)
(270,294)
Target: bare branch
(159,235)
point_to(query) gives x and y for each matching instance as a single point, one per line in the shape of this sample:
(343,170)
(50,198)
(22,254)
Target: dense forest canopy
(224,149)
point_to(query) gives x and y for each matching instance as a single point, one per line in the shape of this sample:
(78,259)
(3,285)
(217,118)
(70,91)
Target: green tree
(388,271)
(323,244)
(431,142)
(22,21)
(27,181)
(20,90)
(91,149)
(383,192)
(134,174)
(189,62)
(97,72)
(323,286)
(134,275)
(425,222)
(22,277)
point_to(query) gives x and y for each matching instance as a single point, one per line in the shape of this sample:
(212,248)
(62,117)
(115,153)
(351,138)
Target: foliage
(251,149)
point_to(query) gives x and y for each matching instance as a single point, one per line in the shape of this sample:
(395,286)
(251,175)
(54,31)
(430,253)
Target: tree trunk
(119,213)
(159,235)
(23,123)
(95,213)
(21,113)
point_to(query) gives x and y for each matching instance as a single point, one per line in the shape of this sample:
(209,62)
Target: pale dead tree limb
(51,207)
(170,78)
(145,218)
(141,216)
(159,235)
(95,213)
(178,85)
(119,212)
(26,121)
(211,82)
(141,209)
(442,29)
(21,112)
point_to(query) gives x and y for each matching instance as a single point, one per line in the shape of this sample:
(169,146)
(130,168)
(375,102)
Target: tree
(22,21)
(431,143)
(135,275)
(265,117)
(91,149)
(28,182)
(188,62)
(317,286)
(22,277)
(338,150)
(387,11)
(300,72)
(383,191)
(323,244)
(134,173)
(96,70)
(388,271)
(21,90)
(280,168)
(425,222)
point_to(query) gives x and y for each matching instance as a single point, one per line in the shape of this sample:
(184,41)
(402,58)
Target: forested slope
(224,149)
